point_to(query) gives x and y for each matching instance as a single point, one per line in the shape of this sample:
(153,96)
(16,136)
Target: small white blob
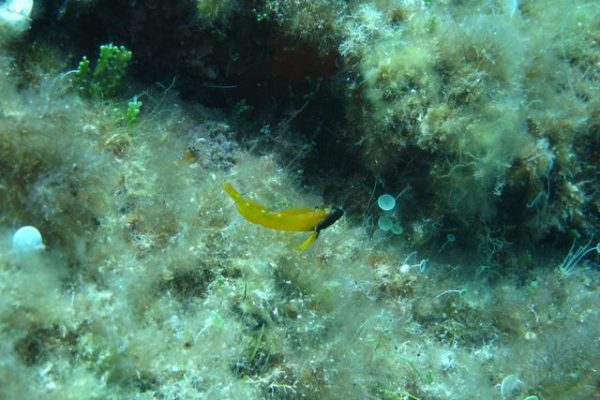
(386,202)
(22,7)
(27,238)
(15,15)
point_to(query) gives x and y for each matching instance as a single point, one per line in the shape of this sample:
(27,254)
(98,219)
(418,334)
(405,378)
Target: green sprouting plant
(133,110)
(131,114)
(241,112)
(104,80)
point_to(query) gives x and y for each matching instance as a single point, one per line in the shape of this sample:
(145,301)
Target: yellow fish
(294,220)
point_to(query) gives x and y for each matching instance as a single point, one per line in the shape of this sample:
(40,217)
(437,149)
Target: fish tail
(308,242)
(234,194)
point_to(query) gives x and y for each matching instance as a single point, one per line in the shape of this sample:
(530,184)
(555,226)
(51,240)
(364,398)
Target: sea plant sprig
(104,80)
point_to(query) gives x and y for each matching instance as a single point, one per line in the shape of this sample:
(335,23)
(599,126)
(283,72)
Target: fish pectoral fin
(308,242)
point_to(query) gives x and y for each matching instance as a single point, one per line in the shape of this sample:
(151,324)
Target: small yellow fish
(294,220)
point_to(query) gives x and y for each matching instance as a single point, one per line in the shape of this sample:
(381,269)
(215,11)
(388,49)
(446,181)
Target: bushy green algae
(479,105)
